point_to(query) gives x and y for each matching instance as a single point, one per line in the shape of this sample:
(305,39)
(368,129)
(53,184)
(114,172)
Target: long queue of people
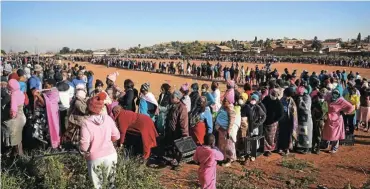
(322,60)
(57,105)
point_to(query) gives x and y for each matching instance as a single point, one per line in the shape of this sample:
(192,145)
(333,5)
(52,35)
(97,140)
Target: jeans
(348,122)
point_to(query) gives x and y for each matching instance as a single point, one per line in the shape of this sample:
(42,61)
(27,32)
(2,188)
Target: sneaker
(333,151)
(252,158)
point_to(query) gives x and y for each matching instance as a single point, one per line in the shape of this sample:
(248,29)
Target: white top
(217,95)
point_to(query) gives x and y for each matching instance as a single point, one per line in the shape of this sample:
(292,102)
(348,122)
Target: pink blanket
(52,111)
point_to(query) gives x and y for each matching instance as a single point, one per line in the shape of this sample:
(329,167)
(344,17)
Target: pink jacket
(207,157)
(97,136)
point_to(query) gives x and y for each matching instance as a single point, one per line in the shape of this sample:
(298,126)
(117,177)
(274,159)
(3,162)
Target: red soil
(350,165)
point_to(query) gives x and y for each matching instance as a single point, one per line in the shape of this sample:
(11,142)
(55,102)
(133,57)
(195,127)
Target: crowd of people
(362,62)
(45,103)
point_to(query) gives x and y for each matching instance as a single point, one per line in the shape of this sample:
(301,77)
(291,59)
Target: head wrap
(230,83)
(177,94)
(335,95)
(230,96)
(255,97)
(113,76)
(13,76)
(185,87)
(37,68)
(145,86)
(195,86)
(96,103)
(27,72)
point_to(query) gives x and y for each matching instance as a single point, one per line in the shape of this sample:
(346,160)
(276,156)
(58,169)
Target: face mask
(253,102)
(321,100)
(273,97)
(240,102)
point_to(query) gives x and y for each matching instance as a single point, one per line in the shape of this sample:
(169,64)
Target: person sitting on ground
(207,156)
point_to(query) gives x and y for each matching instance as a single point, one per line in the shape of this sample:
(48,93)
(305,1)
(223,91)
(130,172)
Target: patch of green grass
(301,182)
(295,164)
(70,171)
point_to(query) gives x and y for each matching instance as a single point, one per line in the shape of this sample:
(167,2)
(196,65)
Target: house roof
(223,47)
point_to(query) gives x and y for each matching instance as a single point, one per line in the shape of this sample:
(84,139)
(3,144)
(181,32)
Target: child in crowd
(207,156)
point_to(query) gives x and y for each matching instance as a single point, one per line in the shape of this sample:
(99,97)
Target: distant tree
(25,52)
(260,43)
(358,38)
(113,50)
(367,39)
(286,38)
(255,40)
(88,52)
(139,46)
(267,43)
(65,50)
(2,51)
(316,44)
(79,51)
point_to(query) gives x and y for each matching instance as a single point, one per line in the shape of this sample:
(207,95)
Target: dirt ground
(350,165)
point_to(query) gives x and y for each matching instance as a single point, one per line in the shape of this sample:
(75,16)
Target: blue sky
(48,26)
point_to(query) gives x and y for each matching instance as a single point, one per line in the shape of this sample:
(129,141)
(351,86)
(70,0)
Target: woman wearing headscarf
(289,124)
(14,120)
(48,103)
(186,99)
(208,95)
(113,90)
(334,126)
(99,87)
(177,122)
(225,126)
(127,102)
(148,105)
(201,123)
(77,116)
(304,142)
(129,121)
(319,111)
(97,136)
(274,113)
(349,119)
(164,103)
(217,96)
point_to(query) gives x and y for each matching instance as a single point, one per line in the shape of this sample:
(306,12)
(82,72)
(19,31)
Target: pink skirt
(363,114)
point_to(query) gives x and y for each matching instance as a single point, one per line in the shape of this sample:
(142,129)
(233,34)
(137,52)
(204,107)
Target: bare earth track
(350,165)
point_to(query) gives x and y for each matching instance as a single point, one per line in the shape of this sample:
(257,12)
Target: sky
(49,26)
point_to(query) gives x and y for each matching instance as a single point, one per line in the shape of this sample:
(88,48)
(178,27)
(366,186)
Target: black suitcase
(185,148)
(252,148)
